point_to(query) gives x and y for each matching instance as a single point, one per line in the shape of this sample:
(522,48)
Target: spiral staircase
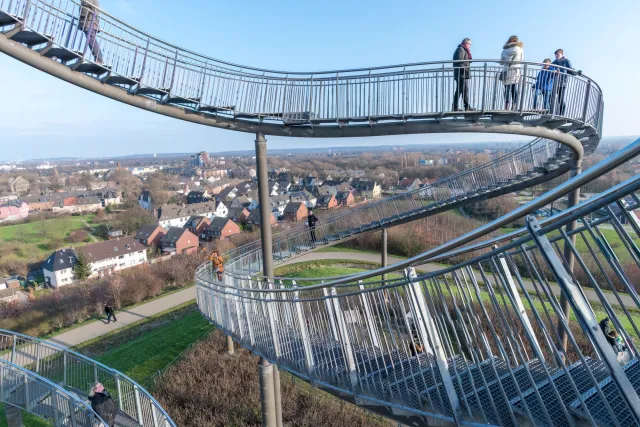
(470,344)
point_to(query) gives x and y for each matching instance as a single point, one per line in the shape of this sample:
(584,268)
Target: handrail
(31,379)
(578,181)
(136,396)
(475,341)
(104,14)
(323,99)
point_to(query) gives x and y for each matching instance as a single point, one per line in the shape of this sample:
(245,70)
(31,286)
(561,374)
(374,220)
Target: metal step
(6,19)
(596,407)
(29,38)
(63,55)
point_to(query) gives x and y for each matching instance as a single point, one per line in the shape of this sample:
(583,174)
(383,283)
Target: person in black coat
(103,404)
(110,312)
(311,221)
(462,74)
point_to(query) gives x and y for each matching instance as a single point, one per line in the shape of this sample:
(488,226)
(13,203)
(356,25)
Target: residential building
(150,235)
(18,185)
(197,196)
(144,200)
(200,159)
(238,215)
(197,224)
(178,215)
(345,198)
(13,210)
(113,234)
(104,258)
(327,202)
(221,228)
(179,241)
(58,268)
(295,211)
(305,197)
(367,188)
(254,218)
(409,184)
(278,204)
(242,173)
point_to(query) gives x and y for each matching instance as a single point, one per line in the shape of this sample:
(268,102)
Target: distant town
(115,214)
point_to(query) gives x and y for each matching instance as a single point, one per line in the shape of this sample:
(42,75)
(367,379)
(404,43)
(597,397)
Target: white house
(178,215)
(105,258)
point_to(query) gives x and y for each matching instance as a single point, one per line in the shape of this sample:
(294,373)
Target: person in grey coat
(89,24)
(462,74)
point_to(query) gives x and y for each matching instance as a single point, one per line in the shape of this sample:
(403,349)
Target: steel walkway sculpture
(470,344)
(459,346)
(52,382)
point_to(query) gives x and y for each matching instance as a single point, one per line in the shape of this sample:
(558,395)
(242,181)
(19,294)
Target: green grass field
(27,241)
(328,270)
(143,348)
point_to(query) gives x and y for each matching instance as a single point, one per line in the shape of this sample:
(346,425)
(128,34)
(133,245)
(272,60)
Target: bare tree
(43,228)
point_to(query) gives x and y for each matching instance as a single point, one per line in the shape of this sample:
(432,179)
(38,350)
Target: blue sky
(45,117)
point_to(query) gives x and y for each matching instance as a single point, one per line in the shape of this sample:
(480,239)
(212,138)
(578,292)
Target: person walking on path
(103,404)
(311,222)
(512,55)
(462,74)
(110,312)
(89,24)
(217,263)
(562,61)
(544,85)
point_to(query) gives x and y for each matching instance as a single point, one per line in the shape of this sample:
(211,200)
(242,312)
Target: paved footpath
(126,317)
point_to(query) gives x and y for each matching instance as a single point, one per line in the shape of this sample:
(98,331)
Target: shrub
(77,236)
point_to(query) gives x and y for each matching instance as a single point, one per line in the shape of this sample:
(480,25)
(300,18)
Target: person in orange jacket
(217,262)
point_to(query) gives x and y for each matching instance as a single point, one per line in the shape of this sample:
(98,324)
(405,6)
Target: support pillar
(267,270)
(267,393)
(384,251)
(230,349)
(573,199)
(14,416)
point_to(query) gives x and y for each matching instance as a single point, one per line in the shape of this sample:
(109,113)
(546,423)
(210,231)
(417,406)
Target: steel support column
(267,270)
(384,251)
(14,416)
(573,199)
(230,350)
(267,393)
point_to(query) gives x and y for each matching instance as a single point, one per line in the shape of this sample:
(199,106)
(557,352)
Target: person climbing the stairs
(89,24)
(217,263)
(103,404)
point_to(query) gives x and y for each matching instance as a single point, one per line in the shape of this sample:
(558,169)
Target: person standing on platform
(462,74)
(311,222)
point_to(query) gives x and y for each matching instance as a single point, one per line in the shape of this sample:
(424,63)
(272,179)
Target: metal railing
(148,66)
(527,163)
(77,374)
(477,342)
(31,392)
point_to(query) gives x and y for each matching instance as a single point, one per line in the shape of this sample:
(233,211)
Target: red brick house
(345,198)
(239,215)
(150,235)
(221,228)
(197,224)
(295,211)
(179,241)
(327,202)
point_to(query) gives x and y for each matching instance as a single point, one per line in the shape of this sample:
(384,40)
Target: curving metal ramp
(144,71)
(52,382)
(459,346)
(476,343)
